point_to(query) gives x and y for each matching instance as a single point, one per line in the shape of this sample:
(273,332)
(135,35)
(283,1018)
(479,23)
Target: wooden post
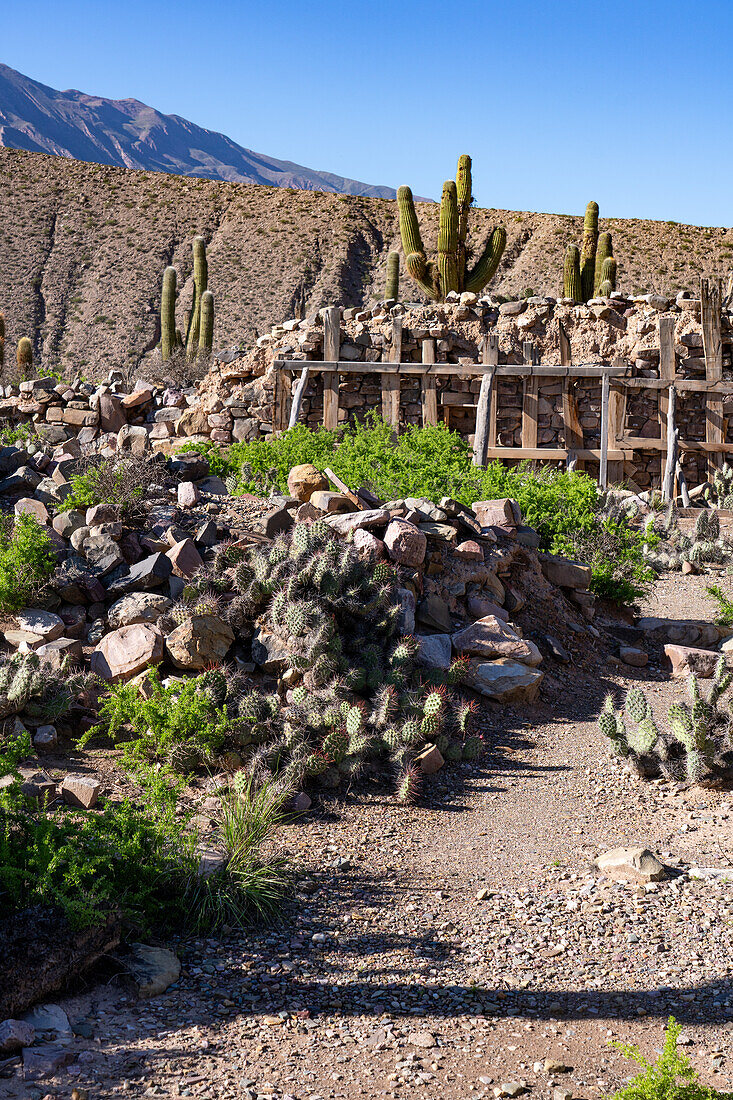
(429,392)
(616,417)
(529,404)
(570,419)
(667,368)
(391,382)
(605,389)
(492,360)
(672,446)
(331,353)
(713,350)
(298,393)
(483,409)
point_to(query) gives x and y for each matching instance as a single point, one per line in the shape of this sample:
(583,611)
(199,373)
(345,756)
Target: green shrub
(25,560)
(434,462)
(137,858)
(725,605)
(671,1077)
(186,723)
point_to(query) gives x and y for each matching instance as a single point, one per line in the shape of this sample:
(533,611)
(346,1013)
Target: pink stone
(185,559)
(28,506)
(686,660)
(478,608)
(81,791)
(368,544)
(125,652)
(405,543)
(490,637)
(188,495)
(469,551)
(504,512)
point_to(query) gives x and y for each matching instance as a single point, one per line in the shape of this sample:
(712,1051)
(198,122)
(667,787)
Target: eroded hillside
(83,248)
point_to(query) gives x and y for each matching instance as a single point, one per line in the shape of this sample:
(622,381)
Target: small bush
(725,605)
(25,561)
(671,1077)
(127,483)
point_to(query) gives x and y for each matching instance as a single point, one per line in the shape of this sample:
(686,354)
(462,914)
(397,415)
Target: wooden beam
(529,401)
(455,370)
(616,418)
(331,349)
(667,369)
(605,396)
(713,351)
(429,394)
(391,380)
(343,488)
(682,385)
(486,402)
(639,443)
(552,454)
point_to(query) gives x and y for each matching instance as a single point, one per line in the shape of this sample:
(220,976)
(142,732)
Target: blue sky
(557,102)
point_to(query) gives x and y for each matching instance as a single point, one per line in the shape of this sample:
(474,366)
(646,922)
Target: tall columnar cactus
(168,313)
(392,288)
(450,273)
(24,355)
(603,252)
(588,251)
(206,332)
(200,286)
(571,274)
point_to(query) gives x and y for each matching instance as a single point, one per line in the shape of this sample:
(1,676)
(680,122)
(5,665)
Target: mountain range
(129,134)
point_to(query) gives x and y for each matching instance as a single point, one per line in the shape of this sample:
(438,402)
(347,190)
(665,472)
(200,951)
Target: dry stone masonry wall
(235,401)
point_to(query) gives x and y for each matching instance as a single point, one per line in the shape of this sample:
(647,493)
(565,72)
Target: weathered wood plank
(605,400)
(667,368)
(331,349)
(298,392)
(713,351)
(486,400)
(517,370)
(391,380)
(672,441)
(529,402)
(429,393)
(552,454)
(616,418)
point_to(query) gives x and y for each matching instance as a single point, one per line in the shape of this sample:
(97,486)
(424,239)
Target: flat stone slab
(492,637)
(686,660)
(637,865)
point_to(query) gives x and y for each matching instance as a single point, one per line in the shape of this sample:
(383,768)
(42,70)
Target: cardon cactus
(206,334)
(392,288)
(24,355)
(450,272)
(571,276)
(168,313)
(607,284)
(588,251)
(603,253)
(200,285)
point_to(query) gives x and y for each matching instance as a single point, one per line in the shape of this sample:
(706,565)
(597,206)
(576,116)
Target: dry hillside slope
(83,248)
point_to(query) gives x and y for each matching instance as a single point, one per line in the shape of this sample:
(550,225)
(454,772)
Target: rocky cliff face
(83,248)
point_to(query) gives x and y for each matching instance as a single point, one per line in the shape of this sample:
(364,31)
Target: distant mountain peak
(130,134)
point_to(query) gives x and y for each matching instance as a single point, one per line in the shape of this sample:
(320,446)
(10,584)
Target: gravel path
(455,947)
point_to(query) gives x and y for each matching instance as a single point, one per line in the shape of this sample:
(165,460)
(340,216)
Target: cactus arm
(464,189)
(415,259)
(603,252)
(168,313)
(588,251)
(24,355)
(488,261)
(571,274)
(392,288)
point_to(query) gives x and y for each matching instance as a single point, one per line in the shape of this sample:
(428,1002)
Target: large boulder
(687,660)
(305,480)
(504,680)
(125,652)
(637,865)
(199,642)
(565,573)
(504,512)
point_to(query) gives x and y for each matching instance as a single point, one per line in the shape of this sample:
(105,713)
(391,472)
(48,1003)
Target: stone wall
(235,401)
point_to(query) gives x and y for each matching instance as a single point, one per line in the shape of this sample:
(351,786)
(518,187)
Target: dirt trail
(453,947)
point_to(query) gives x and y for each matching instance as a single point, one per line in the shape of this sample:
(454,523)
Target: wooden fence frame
(616,444)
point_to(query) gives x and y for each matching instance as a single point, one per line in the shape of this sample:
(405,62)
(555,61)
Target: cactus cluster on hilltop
(590,271)
(696,747)
(355,692)
(450,271)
